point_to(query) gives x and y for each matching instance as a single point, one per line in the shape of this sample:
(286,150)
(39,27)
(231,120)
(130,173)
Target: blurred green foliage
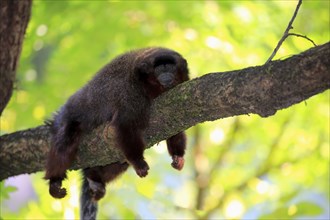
(245,167)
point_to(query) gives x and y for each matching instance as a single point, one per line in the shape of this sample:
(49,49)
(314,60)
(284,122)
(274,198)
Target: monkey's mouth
(166,80)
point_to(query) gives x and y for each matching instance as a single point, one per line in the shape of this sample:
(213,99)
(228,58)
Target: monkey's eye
(163,60)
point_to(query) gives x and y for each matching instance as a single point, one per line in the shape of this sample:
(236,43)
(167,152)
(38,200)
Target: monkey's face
(165,72)
(161,72)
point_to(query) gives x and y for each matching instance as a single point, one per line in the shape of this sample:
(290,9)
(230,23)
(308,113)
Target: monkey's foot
(178,162)
(97,189)
(141,168)
(56,190)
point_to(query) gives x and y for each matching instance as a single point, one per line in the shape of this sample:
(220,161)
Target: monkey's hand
(178,162)
(141,168)
(56,190)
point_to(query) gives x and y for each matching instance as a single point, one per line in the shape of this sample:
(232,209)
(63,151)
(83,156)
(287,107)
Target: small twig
(303,36)
(286,32)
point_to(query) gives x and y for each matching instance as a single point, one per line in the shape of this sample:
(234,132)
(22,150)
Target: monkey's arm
(129,139)
(176,146)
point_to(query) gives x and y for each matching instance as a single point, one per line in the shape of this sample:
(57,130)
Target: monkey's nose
(166,79)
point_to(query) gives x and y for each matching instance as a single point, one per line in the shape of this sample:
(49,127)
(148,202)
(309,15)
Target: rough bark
(260,90)
(14,17)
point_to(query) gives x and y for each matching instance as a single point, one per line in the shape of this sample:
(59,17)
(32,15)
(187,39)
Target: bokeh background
(243,167)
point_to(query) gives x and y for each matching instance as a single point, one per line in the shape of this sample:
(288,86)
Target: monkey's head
(160,69)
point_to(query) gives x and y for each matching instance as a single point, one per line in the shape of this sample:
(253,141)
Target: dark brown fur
(120,93)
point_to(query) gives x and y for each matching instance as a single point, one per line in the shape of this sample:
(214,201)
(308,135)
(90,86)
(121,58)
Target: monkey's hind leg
(176,146)
(93,187)
(63,151)
(98,176)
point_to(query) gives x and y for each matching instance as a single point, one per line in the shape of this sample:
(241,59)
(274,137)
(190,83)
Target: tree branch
(260,90)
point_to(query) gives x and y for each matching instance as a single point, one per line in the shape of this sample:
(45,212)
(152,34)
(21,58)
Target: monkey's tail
(88,207)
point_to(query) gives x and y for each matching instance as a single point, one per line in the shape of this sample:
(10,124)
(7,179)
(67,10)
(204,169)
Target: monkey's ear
(142,70)
(142,67)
